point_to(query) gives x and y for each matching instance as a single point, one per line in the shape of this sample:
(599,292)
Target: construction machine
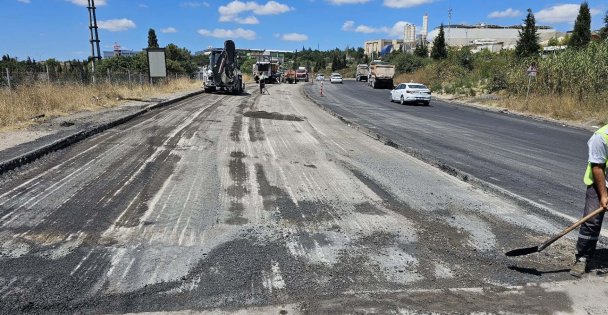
(223,72)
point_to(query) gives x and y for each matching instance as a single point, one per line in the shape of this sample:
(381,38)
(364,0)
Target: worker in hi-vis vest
(597,196)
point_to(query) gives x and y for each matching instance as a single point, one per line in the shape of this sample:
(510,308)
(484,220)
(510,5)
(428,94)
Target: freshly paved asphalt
(541,161)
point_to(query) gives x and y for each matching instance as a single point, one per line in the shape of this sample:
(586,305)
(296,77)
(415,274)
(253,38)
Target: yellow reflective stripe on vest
(588,179)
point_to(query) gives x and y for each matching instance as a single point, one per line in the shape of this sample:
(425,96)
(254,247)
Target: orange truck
(290,76)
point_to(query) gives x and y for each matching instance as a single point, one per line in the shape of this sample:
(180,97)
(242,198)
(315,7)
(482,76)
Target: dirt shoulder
(53,123)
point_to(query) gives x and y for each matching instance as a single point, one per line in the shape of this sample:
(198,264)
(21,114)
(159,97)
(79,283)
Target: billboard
(157,64)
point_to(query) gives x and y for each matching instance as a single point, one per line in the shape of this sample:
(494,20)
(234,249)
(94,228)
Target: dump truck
(381,74)
(362,73)
(223,72)
(302,74)
(267,70)
(290,76)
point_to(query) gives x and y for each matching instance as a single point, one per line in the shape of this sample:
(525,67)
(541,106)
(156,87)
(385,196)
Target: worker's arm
(599,180)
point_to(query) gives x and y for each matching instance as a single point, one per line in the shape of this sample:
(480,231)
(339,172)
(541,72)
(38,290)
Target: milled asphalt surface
(540,161)
(265,204)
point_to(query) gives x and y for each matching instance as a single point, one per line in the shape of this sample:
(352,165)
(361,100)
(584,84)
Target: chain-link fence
(12,79)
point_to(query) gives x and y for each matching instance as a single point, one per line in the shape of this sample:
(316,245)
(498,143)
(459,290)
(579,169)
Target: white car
(411,92)
(320,77)
(335,78)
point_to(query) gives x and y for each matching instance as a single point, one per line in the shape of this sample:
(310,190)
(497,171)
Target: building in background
(480,36)
(380,47)
(118,51)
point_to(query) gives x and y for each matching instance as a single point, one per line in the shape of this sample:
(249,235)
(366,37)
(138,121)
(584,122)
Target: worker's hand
(604,201)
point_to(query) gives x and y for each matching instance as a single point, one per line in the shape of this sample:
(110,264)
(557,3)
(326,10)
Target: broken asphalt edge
(518,200)
(82,134)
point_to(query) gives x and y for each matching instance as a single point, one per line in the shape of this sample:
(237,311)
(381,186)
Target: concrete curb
(80,135)
(451,170)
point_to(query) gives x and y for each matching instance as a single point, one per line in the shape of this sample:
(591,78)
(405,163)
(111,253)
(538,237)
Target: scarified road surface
(264,203)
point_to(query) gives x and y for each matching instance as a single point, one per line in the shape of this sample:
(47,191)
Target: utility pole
(95,55)
(449,25)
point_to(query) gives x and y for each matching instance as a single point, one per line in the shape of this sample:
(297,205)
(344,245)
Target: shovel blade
(522,251)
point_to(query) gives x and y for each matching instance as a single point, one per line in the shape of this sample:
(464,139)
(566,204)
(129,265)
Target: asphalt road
(543,162)
(269,205)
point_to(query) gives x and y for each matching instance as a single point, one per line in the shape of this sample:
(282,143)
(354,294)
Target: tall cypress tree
(439,50)
(421,50)
(152,40)
(581,36)
(527,44)
(604,30)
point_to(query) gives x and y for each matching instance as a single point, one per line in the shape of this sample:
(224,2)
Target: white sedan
(335,78)
(411,92)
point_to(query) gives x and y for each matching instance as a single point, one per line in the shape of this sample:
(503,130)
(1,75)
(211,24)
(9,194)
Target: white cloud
(367,29)
(84,3)
(248,20)
(395,31)
(231,11)
(223,33)
(405,3)
(504,14)
(169,30)
(561,13)
(339,2)
(24,1)
(295,37)
(348,26)
(193,4)
(116,25)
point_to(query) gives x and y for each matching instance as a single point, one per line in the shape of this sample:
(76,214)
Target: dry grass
(564,107)
(419,76)
(19,106)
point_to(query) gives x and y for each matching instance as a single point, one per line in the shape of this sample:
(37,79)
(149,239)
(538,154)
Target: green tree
(527,44)
(553,42)
(439,50)
(152,40)
(247,65)
(581,35)
(422,50)
(604,30)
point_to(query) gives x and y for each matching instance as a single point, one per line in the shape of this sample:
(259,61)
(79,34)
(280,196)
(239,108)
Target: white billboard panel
(157,63)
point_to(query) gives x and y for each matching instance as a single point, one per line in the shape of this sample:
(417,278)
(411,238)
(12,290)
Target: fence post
(129,72)
(48,75)
(109,78)
(8,78)
(141,79)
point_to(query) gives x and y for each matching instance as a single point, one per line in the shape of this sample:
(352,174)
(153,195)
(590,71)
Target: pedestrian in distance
(263,89)
(596,197)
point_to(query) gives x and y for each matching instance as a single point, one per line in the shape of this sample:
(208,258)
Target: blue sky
(59,28)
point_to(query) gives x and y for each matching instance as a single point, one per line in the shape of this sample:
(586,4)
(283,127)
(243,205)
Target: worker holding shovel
(596,197)
(596,204)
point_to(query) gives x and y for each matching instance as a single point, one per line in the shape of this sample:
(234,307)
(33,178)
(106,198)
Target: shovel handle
(570,228)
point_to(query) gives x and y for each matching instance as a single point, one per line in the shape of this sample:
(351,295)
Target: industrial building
(118,51)
(485,36)
(380,47)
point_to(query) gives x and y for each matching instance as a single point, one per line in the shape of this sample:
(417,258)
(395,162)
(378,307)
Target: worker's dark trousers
(590,230)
